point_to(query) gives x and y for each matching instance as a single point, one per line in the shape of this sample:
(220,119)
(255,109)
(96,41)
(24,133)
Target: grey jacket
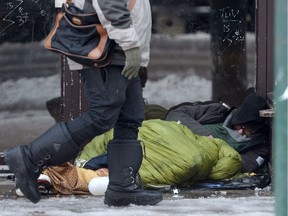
(195,115)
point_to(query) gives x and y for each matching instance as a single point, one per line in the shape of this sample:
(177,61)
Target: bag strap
(88,6)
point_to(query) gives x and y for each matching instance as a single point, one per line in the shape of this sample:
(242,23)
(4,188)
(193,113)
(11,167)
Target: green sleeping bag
(173,155)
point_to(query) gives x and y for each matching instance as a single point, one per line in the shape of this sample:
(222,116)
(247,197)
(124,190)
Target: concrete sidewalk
(185,203)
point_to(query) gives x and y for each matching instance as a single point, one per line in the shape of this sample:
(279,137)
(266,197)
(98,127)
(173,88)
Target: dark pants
(113,102)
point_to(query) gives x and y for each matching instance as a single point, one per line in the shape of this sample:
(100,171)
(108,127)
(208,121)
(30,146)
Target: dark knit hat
(248,112)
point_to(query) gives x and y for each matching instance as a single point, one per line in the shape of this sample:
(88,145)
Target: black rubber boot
(53,147)
(124,188)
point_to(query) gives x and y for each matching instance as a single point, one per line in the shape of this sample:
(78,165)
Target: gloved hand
(132,63)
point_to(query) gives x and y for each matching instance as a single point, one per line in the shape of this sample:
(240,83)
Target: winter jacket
(194,115)
(214,119)
(127,27)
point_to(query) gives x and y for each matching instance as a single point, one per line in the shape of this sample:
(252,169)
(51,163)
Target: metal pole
(281,99)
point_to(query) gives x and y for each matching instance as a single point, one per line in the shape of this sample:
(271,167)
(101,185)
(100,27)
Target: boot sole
(117,199)
(16,163)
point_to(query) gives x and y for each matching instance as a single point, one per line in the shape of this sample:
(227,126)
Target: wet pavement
(177,201)
(259,202)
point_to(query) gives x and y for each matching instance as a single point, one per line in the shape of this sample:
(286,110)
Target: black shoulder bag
(80,36)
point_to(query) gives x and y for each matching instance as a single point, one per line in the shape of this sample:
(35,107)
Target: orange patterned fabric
(68,179)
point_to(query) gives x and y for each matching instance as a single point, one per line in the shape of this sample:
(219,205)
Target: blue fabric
(97,162)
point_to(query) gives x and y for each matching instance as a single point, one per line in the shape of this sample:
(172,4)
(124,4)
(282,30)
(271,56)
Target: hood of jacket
(248,112)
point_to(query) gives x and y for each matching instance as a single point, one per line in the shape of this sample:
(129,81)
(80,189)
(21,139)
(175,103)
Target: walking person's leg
(105,90)
(125,154)
(61,142)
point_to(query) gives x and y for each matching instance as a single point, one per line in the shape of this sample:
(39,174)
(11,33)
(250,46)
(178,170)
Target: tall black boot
(53,147)
(124,188)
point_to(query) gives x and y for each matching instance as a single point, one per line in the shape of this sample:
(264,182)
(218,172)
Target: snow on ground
(174,89)
(31,94)
(28,93)
(171,205)
(23,114)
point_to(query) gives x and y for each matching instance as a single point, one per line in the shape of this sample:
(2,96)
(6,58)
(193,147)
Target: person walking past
(114,96)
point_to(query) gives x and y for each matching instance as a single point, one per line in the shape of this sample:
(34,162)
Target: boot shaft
(125,187)
(124,161)
(53,147)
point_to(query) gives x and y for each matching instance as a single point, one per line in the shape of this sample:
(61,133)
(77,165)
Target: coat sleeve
(117,20)
(253,159)
(194,116)
(188,116)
